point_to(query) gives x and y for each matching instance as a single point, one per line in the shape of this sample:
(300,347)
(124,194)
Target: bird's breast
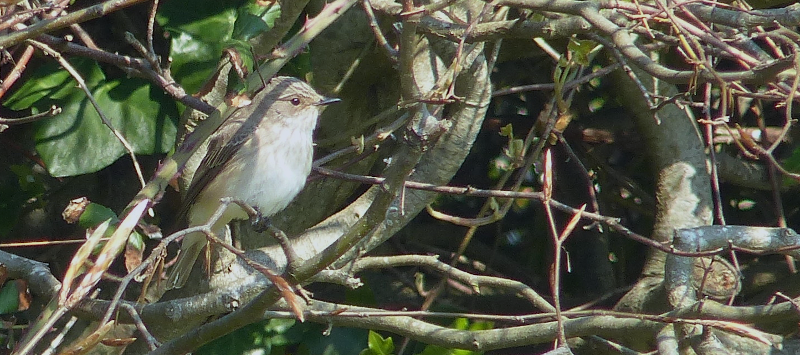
(279,171)
(267,172)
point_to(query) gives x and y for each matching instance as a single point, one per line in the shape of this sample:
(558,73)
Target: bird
(260,155)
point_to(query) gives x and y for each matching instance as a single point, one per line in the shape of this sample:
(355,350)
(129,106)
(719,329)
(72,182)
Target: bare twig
(137,65)
(84,36)
(391,52)
(709,136)
(572,84)
(82,15)
(16,72)
(54,110)
(555,268)
(152,342)
(151,20)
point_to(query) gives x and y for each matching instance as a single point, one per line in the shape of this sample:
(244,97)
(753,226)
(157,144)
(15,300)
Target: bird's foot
(260,222)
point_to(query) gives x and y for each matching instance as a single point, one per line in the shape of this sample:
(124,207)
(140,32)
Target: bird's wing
(222,145)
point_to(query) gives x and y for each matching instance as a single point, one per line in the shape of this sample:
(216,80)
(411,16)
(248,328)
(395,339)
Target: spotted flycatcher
(261,155)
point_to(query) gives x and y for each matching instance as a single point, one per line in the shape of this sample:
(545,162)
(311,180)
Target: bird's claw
(260,222)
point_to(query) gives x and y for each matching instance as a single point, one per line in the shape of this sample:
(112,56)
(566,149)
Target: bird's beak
(327,101)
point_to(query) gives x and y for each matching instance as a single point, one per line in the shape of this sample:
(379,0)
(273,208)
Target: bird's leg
(259,221)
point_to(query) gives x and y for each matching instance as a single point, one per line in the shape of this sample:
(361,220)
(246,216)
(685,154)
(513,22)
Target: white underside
(268,181)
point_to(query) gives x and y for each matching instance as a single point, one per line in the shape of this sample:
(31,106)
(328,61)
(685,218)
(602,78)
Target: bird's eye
(295,101)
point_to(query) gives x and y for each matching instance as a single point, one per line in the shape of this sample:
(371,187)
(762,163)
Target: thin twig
(16,72)
(135,66)
(567,86)
(151,341)
(555,268)
(84,36)
(576,161)
(613,223)
(391,52)
(59,339)
(82,15)
(464,222)
(624,63)
(151,20)
(708,129)
(54,110)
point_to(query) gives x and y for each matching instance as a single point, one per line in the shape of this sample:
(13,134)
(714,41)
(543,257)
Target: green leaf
(580,50)
(136,241)
(9,298)
(197,37)
(49,80)
(378,345)
(792,164)
(460,324)
(94,214)
(245,52)
(507,131)
(254,19)
(515,148)
(76,141)
(481,325)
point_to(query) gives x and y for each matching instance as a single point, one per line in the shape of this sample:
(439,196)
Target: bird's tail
(190,249)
